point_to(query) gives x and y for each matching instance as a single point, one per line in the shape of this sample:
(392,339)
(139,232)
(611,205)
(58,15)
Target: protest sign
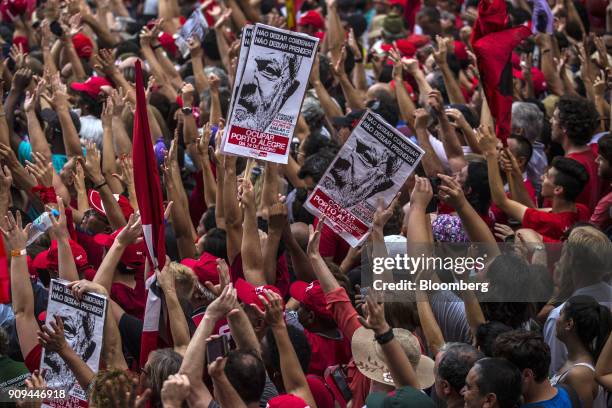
(374,163)
(269,94)
(245,43)
(195,26)
(83,329)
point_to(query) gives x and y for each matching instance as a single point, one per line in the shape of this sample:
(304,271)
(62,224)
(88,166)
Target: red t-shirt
(326,352)
(332,245)
(601,215)
(553,225)
(592,190)
(32,360)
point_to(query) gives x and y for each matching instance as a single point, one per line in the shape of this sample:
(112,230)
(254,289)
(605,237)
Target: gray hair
(529,118)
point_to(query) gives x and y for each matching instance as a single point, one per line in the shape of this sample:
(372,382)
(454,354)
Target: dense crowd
(264,305)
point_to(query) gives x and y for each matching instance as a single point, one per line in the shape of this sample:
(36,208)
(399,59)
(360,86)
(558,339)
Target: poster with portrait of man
(245,44)
(269,95)
(83,328)
(374,163)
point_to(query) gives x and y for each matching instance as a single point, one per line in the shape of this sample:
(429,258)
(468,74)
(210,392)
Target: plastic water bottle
(40,226)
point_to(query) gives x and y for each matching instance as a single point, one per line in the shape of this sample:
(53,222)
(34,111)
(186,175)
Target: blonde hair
(185,279)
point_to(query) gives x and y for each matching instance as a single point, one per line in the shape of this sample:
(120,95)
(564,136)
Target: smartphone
(433,204)
(218,347)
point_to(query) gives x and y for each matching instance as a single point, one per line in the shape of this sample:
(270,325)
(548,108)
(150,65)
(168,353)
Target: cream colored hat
(370,360)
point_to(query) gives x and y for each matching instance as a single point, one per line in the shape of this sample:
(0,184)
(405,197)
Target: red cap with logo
(92,87)
(82,45)
(312,297)
(96,203)
(205,268)
(133,256)
(287,401)
(249,294)
(167,41)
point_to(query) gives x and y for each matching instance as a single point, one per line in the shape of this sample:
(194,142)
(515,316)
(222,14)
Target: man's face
(603,167)
(94,222)
(548,183)
(557,132)
(470,392)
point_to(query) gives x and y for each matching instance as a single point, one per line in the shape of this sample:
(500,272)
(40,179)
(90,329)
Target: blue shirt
(561,400)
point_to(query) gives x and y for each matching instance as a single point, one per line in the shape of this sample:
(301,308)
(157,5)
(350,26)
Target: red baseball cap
(134,255)
(418,40)
(96,203)
(312,18)
(49,259)
(92,87)
(167,41)
(249,294)
(205,267)
(82,45)
(287,401)
(312,297)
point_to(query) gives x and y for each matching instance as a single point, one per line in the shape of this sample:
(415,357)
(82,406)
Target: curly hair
(578,118)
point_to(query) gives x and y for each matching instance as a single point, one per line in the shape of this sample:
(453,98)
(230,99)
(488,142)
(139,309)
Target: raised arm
(195,49)
(431,162)
(94,172)
(59,232)
(225,392)
(544,42)
(405,103)
(193,361)
(322,272)
(109,165)
(294,379)
(233,215)
(22,296)
(452,147)
(401,370)
(518,191)
(210,184)
(128,235)
(450,192)
(450,82)
(35,133)
(429,325)
(488,146)
(354,98)
(277,219)
(178,324)
(60,103)
(252,259)
(330,108)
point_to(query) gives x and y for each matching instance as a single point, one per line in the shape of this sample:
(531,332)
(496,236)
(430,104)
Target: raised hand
(450,192)
(422,193)
(52,339)
(374,313)
(80,287)
(382,214)
(130,234)
(175,390)
(421,118)
(314,238)
(15,235)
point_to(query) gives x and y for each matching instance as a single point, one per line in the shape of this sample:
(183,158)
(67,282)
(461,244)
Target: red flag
(5,280)
(493,45)
(150,204)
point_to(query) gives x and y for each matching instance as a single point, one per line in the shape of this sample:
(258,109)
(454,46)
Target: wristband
(99,186)
(18,252)
(384,338)
(358,60)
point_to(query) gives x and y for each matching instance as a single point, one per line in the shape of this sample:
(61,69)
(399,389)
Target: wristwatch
(18,252)
(187,110)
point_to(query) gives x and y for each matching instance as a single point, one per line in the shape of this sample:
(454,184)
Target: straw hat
(370,360)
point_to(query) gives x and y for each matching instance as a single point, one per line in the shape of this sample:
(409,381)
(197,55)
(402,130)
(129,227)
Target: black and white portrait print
(79,328)
(366,170)
(266,90)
